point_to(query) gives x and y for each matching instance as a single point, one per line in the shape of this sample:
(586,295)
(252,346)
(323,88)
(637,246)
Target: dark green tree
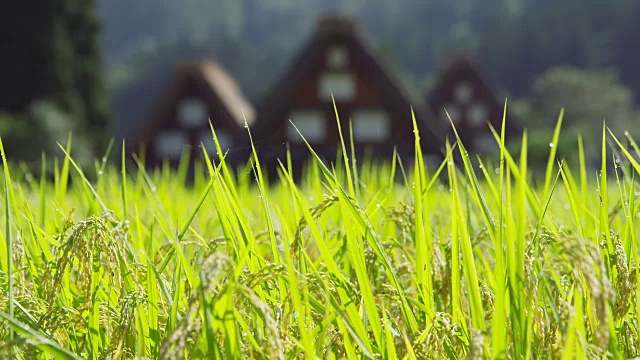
(50,54)
(83,29)
(36,55)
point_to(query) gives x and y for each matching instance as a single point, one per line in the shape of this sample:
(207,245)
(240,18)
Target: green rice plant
(470,259)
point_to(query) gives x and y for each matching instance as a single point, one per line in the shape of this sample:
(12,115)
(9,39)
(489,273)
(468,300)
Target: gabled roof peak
(462,62)
(336,24)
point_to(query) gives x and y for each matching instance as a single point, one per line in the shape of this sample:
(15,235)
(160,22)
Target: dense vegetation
(469,259)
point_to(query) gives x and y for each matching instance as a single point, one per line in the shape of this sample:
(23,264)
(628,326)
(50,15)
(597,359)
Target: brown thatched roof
(227,90)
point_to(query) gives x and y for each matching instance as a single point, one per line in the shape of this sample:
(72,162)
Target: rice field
(470,259)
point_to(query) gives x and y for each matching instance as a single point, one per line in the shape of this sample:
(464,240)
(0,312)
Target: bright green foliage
(466,260)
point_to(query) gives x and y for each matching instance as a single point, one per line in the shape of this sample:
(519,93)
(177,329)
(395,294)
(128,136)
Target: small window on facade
(477,115)
(224,138)
(192,113)
(341,84)
(485,143)
(169,144)
(454,113)
(463,93)
(337,57)
(311,123)
(371,125)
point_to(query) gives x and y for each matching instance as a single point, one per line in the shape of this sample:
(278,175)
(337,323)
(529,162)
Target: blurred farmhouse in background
(461,96)
(178,124)
(337,63)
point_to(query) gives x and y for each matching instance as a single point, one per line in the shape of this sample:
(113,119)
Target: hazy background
(543,54)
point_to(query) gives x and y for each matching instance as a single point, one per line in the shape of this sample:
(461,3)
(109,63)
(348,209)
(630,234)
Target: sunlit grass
(468,259)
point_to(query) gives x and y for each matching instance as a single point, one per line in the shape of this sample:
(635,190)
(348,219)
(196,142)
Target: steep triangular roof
(331,29)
